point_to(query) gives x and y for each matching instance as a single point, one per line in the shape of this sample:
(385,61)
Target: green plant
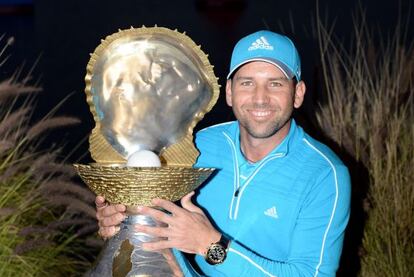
(47,220)
(369,111)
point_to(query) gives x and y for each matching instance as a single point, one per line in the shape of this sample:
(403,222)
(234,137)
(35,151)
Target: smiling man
(279,203)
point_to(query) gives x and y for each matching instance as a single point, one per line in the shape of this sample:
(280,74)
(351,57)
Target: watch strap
(224,241)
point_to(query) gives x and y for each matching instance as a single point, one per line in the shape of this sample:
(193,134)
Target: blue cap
(268,47)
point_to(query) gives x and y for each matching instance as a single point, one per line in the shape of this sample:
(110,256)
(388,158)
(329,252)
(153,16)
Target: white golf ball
(144,158)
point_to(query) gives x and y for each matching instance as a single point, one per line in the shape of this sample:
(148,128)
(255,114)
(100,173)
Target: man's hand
(188,230)
(109,217)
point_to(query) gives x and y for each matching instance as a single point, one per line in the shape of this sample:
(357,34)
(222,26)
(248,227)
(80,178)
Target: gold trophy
(146,88)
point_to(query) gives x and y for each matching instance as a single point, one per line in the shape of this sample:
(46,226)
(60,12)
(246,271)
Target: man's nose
(261,95)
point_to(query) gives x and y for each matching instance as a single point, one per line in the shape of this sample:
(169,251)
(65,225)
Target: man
(279,203)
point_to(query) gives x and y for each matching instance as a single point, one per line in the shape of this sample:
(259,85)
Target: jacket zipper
(237,190)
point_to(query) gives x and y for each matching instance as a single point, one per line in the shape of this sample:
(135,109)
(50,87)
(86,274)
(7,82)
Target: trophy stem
(123,254)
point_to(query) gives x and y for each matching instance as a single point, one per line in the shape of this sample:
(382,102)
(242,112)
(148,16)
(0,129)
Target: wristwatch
(217,251)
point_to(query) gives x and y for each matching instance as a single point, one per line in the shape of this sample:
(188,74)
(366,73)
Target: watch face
(216,254)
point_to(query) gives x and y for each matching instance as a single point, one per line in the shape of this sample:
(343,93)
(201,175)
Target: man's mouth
(261,114)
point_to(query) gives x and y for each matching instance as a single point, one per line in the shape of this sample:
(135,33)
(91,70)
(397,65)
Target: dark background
(58,37)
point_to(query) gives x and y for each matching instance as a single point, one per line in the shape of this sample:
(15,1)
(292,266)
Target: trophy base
(123,255)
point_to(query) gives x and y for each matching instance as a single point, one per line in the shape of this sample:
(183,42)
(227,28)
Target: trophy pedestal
(123,254)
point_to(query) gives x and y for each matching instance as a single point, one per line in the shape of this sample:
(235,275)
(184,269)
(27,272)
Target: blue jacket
(287,217)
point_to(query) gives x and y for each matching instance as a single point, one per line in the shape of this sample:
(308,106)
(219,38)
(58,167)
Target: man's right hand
(109,217)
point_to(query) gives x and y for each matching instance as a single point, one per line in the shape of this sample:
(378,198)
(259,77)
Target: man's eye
(276,84)
(246,83)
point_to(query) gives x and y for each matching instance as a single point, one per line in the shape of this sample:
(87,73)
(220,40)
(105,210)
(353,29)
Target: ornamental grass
(369,112)
(47,220)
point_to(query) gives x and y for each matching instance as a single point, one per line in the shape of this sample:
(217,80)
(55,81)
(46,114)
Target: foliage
(369,111)
(46,218)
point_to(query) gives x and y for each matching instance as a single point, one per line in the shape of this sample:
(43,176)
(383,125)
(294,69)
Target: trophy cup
(146,88)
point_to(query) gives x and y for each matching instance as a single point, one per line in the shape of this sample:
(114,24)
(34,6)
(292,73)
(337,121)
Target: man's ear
(228,93)
(300,90)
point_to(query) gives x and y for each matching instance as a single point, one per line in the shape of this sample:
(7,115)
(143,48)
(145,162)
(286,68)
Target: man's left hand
(188,228)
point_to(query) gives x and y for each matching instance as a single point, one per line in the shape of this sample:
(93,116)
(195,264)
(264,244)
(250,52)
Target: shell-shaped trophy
(146,88)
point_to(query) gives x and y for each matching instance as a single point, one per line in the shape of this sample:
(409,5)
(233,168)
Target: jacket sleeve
(184,264)
(316,242)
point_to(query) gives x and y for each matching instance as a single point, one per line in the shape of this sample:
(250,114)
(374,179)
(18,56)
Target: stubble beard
(265,129)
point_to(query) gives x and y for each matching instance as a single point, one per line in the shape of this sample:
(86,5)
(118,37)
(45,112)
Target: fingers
(109,217)
(100,202)
(112,209)
(187,197)
(155,214)
(167,205)
(112,220)
(188,205)
(107,232)
(157,245)
(103,209)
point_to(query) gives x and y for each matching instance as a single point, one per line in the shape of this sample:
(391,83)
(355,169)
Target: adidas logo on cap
(260,43)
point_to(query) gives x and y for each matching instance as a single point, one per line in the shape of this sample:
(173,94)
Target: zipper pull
(236,193)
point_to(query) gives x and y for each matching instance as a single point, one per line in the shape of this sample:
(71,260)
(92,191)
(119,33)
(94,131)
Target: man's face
(262,98)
